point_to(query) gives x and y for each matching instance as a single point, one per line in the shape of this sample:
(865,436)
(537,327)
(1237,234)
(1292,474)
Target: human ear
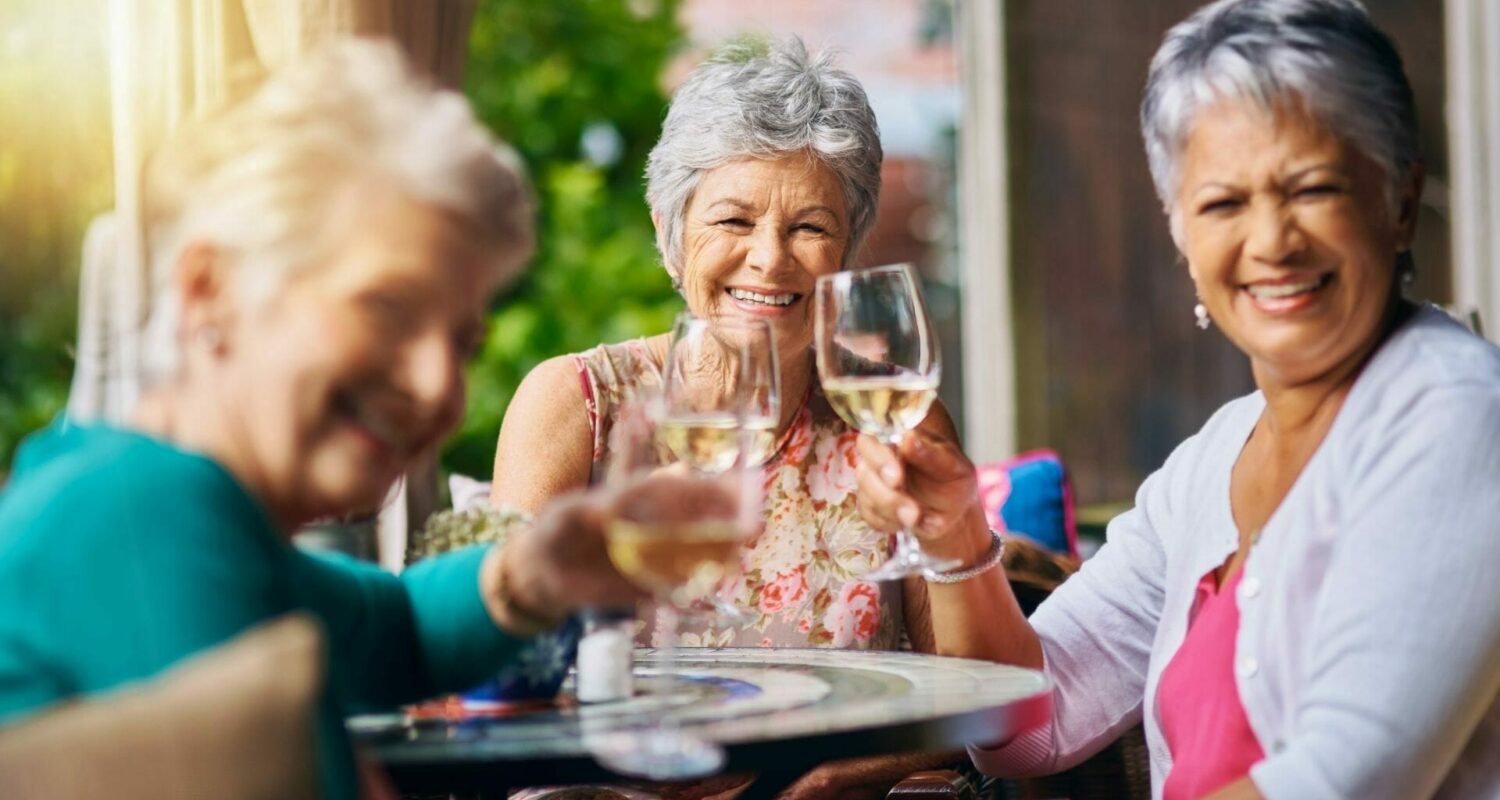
(208,305)
(1409,207)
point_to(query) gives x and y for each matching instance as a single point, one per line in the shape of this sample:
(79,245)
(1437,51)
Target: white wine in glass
(884,407)
(879,368)
(707,442)
(675,531)
(721,391)
(681,561)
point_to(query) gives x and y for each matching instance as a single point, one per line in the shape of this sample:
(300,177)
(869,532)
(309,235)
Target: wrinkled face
(355,366)
(1289,237)
(757,234)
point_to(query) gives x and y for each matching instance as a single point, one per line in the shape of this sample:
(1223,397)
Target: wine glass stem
(667,621)
(908,549)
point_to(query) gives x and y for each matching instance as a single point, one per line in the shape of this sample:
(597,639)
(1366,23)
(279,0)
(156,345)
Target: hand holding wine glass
(879,367)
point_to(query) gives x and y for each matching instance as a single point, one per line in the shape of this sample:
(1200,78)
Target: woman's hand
(561,564)
(926,485)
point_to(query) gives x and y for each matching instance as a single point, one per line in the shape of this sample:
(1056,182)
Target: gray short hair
(260,180)
(764,99)
(1324,55)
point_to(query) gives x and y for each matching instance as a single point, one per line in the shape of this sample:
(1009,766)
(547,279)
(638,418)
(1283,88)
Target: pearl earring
(1200,311)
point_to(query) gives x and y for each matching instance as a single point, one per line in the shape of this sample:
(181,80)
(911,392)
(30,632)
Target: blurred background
(1014,179)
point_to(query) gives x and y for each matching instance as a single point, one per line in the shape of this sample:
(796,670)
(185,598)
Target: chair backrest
(235,723)
(1030,495)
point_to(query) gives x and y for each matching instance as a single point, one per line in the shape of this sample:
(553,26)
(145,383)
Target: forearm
(979,618)
(859,778)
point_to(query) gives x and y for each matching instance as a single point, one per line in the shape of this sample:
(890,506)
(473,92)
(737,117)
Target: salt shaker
(605,657)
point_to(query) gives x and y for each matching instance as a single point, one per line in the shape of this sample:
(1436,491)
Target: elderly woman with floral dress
(1303,602)
(766,177)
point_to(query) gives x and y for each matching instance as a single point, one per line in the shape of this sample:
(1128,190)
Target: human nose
(1274,236)
(768,250)
(433,377)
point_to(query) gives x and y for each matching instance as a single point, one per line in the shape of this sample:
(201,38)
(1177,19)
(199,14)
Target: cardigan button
(1247,667)
(1249,587)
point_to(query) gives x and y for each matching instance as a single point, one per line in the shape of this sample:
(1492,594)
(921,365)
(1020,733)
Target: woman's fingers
(934,458)
(881,499)
(881,460)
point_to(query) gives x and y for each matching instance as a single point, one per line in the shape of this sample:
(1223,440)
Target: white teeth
(765,299)
(1271,292)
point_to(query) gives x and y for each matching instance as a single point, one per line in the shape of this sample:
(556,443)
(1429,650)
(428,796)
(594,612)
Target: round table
(777,712)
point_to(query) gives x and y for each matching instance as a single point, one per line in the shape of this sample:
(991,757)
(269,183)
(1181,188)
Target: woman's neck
(1299,407)
(173,415)
(796,379)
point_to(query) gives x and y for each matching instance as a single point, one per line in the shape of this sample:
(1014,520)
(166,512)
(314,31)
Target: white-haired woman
(1303,602)
(323,254)
(766,177)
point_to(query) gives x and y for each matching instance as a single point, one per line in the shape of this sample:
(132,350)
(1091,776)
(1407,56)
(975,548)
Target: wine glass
(676,529)
(720,375)
(878,364)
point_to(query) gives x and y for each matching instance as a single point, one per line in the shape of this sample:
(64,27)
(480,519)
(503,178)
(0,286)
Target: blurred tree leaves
(55,175)
(546,77)
(549,77)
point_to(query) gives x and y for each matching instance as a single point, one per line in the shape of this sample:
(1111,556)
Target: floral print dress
(799,580)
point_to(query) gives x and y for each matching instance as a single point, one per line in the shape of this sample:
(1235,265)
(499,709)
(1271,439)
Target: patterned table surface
(781,709)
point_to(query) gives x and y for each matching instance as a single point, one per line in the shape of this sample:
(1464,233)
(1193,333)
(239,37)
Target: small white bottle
(606,656)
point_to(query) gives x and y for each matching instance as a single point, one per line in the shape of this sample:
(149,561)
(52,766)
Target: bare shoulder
(546,444)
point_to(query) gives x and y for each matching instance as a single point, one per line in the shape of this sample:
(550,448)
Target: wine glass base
(658,755)
(717,613)
(912,563)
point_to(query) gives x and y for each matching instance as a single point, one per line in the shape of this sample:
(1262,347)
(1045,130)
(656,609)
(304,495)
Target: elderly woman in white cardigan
(1303,603)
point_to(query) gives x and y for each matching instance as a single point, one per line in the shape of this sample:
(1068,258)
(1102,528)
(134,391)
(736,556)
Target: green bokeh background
(540,75)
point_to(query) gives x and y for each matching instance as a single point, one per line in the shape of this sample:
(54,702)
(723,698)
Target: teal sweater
(121,555)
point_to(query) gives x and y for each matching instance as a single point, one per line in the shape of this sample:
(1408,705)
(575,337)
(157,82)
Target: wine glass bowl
(879,367)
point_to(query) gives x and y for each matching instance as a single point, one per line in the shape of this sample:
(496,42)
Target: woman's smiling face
(355,367)
(757,235)
(1290,237)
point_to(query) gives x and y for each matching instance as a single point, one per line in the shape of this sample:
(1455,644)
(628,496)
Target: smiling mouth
(1286,297)
(1278,291)
(770,300)
(381,432)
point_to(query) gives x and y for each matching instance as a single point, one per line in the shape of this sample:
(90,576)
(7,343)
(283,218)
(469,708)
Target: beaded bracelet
(990,560)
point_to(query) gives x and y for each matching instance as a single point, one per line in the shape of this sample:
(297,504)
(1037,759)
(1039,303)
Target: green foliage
(541,75)
(55,175)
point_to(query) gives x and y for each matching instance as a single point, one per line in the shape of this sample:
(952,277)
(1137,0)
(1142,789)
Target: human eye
(810,227)
(384,305)
(735,223)
(1318,190)
(1218,205)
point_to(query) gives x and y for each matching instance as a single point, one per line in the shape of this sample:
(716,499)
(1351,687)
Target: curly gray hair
(1325,55)
(764,99)
(260,180)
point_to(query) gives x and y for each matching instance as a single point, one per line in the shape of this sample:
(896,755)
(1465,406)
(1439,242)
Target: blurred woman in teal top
(322,256)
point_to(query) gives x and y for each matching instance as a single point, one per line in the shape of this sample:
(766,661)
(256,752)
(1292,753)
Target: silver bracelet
(989,561)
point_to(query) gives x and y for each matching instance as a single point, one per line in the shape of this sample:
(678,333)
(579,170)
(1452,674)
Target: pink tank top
(1202,718)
